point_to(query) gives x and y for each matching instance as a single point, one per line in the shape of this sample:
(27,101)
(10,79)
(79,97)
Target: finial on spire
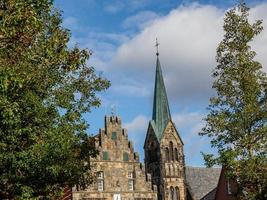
(157,46)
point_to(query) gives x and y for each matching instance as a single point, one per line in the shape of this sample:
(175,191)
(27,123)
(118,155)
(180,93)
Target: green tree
(237,115)
(45,88)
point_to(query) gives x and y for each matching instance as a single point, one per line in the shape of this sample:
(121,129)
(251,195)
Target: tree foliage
(45,88)
(237,115)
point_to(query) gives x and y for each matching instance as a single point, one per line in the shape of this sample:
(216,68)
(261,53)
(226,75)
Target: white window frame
(100,185)
(131,185)
(130,175)
(100,181)
(100,175)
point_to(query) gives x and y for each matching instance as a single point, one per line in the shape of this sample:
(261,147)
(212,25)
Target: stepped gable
(202,181)
(119,174)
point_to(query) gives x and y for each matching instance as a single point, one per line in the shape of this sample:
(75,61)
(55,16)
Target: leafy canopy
(237,115)
(45,88)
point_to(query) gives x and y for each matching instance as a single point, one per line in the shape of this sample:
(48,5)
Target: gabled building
(164,156)
(202,182)
(121,176)
(227,188)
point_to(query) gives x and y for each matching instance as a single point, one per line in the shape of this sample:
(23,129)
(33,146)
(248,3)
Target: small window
(105,155)
(171,151)
(130,174)
(100,185)
(131,185)
(125,156)
(176,154)
(177,191)
(100,175)
(114,136)
(167,154)
(100,181)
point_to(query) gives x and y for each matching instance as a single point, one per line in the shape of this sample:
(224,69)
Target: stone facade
(119,175)
(165,161)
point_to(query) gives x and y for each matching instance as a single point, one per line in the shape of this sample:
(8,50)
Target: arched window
(172,193)
(175,170)
(167,170)
(171,151)
(167,154)
(177,193)
(176,154)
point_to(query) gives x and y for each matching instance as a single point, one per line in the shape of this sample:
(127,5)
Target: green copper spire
(161,112)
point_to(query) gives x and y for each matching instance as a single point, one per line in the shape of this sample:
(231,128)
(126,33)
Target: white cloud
(115,6)
(188,36)
(188,124)
(140,20)
(259,44)
(138,125)
(187,119)
(70,22)
(137,132)
(130,89)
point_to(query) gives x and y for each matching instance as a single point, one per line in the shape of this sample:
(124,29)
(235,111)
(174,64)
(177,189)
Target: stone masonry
(165,161)
(119,175)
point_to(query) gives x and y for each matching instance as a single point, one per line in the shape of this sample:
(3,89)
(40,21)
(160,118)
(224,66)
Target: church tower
(164,157)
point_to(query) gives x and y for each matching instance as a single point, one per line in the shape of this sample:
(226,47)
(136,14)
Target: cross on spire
(157,46)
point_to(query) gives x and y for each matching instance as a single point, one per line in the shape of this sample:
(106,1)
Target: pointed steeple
(161,112)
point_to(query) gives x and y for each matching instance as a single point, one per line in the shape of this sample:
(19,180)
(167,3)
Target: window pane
(177,191)
(100,175)
(130,174)
(176,155)
(100,185)
(131,185)
(105,155)
(114,136)
(125,156)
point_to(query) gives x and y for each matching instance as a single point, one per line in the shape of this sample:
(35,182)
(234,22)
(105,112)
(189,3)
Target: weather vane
(157,46)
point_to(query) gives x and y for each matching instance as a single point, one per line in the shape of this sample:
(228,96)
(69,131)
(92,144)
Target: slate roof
(161,111)
(202,181)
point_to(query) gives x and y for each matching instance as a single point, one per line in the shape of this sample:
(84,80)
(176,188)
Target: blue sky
(122,33)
